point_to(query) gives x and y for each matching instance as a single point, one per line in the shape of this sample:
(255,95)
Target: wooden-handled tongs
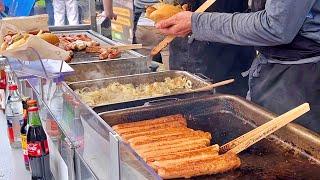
(215,85)
(243,142)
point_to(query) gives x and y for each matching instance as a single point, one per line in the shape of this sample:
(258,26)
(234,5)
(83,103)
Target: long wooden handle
(205,6)
(243,142)
(215,85)
(164,43)
(125,47)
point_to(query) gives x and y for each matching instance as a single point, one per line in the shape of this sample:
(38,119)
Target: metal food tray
(82,56)
(138,79)
(107,69)
(292,152)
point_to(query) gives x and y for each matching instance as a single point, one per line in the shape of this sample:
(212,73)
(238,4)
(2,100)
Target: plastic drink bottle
(38,149)
(14,116)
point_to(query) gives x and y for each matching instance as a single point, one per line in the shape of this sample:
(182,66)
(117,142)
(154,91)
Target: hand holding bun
(162,11)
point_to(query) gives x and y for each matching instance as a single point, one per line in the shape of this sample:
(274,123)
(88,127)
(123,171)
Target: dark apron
(214,60)
(283,77)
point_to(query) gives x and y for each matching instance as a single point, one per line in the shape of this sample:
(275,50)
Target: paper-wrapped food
(29,45)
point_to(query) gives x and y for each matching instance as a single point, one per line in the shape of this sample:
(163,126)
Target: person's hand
(177,25)
(108,15)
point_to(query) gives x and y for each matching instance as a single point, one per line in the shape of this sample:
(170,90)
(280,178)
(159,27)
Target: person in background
(286,72)
(148,36)
(44,7)
(63,8)
(139,7)
(49,10)
(108,10)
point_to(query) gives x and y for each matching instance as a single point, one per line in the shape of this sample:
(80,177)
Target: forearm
(108,6)
(278,24)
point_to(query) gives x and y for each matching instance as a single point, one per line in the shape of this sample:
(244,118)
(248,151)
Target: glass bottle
(56,103)
(38,149)
(14,116)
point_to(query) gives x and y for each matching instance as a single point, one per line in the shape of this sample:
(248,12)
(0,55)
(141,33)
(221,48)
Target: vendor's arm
(278,24)
(108,9)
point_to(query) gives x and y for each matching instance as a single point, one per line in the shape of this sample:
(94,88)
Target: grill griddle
(82,56)
(226,117)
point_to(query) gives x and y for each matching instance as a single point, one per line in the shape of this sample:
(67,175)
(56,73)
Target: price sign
(122,28)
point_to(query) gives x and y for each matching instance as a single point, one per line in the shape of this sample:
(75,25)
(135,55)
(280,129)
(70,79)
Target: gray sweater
(278,24)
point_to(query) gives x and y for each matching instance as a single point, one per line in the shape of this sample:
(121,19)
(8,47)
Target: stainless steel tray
(291,153)
(107,69)
(81,56)
(140,79)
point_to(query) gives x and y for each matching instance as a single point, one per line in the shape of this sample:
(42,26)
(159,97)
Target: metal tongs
(243,142)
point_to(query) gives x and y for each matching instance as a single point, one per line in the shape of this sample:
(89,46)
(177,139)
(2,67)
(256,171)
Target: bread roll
(149,10)
(18,43)
(50,38)
(164,11)
(4,46)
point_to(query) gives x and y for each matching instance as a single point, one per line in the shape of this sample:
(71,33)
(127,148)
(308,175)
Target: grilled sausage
(198,167)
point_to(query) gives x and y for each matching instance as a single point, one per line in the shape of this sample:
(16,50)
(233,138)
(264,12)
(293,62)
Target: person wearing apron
(286,72)
(216,61)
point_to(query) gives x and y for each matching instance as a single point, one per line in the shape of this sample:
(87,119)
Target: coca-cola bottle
(38,150)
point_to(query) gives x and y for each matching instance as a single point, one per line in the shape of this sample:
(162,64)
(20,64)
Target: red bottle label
(34,149)
(25,157)
(46,147)
(3,82)
(10,134)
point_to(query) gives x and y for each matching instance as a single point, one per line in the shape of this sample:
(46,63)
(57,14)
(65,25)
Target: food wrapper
(35,48)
